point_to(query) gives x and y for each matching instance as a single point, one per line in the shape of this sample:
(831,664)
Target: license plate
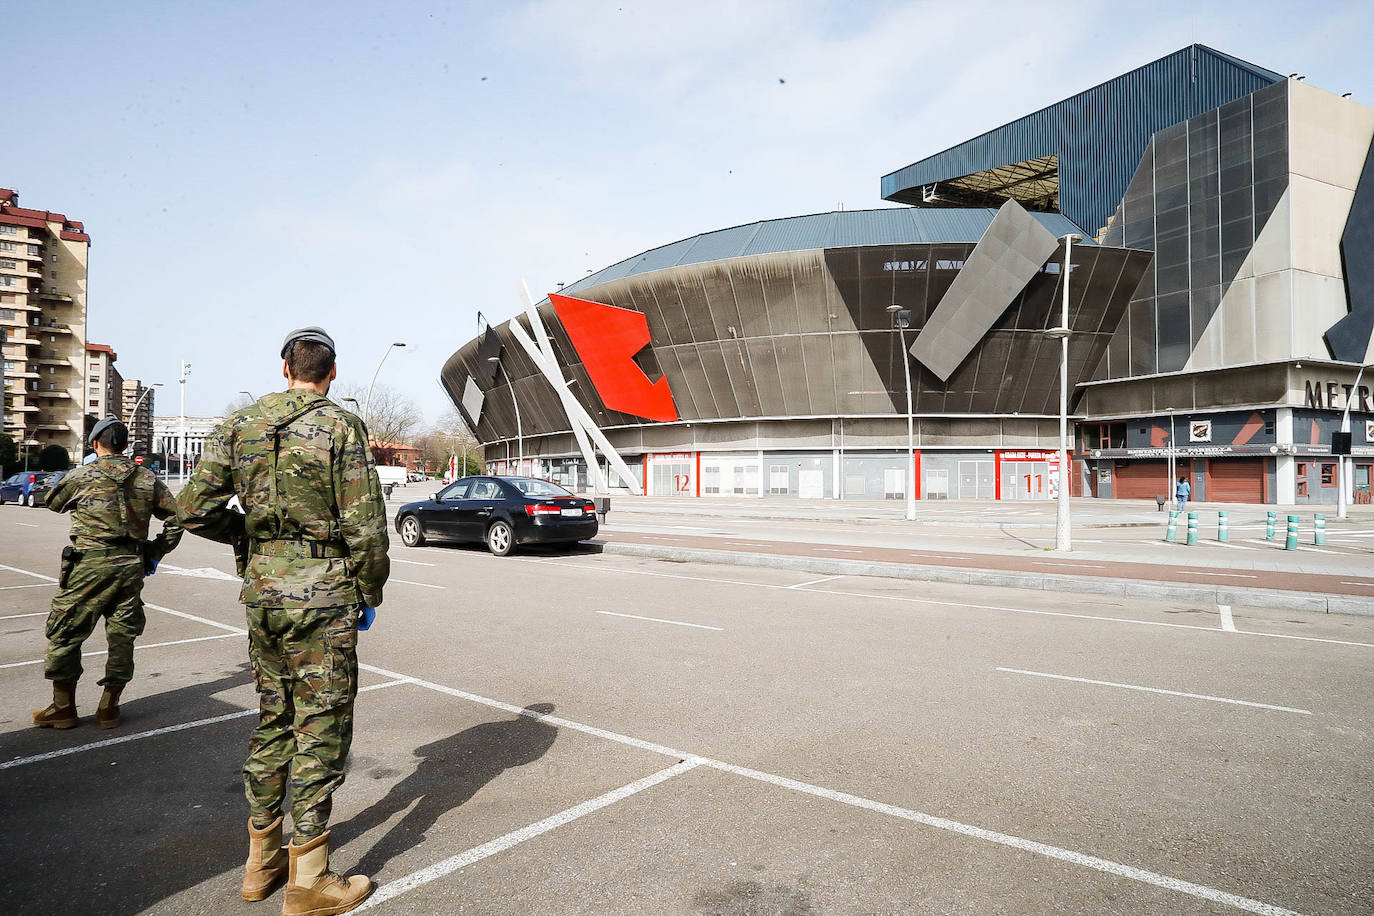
(572,513)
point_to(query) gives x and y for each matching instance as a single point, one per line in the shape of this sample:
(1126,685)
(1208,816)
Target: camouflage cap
(102,426)
(312,333)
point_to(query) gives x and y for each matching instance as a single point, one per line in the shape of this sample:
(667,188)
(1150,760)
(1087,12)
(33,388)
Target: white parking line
(1203,572)
(963,604)
(393,889)
(237,631)
(839,550)
(25,525)
(410,562)
(1075,565)
(153,733)
(1227,623)
(6,588)
(17,616)
(151,645)
(815,581)
(26,572)
(1343,582)
(1172,693)
(421,584)
(677,623)
(1044,849)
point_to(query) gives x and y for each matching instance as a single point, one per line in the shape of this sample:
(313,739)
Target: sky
(389,170)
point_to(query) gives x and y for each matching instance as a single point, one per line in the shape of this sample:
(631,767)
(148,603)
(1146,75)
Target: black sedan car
(501,512)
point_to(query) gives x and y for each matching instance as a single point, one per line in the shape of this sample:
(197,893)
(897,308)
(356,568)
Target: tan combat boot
(61,713)
(267,863)
(107,713)
(313,890)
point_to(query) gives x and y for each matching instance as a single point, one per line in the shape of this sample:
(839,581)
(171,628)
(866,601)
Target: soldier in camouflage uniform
(112,501)
(312,547)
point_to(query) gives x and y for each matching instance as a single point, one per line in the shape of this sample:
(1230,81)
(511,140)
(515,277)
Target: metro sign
(606,339)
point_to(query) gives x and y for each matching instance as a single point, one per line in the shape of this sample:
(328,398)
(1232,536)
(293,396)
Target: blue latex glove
(153,570)
(369,615)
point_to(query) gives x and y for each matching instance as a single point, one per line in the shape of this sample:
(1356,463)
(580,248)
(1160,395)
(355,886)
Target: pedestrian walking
(1182,491)
(312,549)
(112,501)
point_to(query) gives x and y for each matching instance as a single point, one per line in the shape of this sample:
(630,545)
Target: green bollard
(1319,530)
(1269,526)
(1192,529)
(1171,533)
(1291,542)
(1223,531)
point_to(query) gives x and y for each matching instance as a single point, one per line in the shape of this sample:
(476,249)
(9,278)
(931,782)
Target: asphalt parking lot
(586,733)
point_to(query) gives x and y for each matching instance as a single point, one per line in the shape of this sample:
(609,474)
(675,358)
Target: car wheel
(28,500)
(412,535)
(500,538)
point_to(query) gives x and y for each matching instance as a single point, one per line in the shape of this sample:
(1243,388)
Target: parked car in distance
(501,512)
(416,477)
(19,487)
(38,496)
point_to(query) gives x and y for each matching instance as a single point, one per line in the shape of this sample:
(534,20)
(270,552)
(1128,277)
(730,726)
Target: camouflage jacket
(302,470)
(112,501)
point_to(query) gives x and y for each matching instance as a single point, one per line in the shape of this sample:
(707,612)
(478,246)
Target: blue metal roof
(1099,134)
(840,229)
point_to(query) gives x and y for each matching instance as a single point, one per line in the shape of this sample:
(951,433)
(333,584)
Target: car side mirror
(437,494)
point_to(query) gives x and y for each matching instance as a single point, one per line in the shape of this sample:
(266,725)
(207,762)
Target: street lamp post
(181,442)
(368,401)
(519,430)
(133,414)
(1171,462)
(902,319)
(249,393)
(1063,539)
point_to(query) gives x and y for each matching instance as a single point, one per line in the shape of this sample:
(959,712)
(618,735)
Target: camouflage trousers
(305,662)
(109,587)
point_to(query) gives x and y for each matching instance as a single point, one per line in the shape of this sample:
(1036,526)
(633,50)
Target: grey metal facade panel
(778,363)
(891,226)
(1098,134)
(1350,338)
(1008,257)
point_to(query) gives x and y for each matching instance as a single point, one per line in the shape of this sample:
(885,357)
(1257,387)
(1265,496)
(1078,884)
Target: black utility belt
(315,550)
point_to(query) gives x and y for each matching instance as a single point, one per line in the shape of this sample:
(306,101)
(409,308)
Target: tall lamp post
(1171,460)
(519,430)
(368,401)
(133,414)
(181,443)
(1063,539)
(902,319)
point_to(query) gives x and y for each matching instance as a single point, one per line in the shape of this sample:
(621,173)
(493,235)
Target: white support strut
(578,418)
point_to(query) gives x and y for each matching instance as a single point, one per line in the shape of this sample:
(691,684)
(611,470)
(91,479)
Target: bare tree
(451,437)
(390,417)
(238,402)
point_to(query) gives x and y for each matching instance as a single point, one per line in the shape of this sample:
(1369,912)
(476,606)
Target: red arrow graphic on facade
(607,338)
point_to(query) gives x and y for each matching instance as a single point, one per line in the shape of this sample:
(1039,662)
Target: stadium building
(1221,307)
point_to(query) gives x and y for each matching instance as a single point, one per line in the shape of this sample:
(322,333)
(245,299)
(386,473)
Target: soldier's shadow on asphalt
(117,830)
(450,772)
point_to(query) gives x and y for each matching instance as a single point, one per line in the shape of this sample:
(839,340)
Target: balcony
(56,297)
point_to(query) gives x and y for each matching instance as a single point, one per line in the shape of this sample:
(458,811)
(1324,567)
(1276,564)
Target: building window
(6,246)
(7,281)
(52,274)
(8,314)
(95,403)
(52,370)
(1302,479)
(54,257)
(9,230)
(7,264)
(1329,475)
(777,479)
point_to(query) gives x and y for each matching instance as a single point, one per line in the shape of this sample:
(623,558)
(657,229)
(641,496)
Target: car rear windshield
(532,487)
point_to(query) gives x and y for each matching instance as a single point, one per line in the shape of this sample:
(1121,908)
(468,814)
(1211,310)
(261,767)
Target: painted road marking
(237,631)
(944,556)
(6,588)
(17,616)
(1172,693)
(25,525)
(26,572)
(1199,572)
(1075,565)
(1044,849)
(410,562)
(1343,582)
(396,888)
(201,572)
(981,607)
(153,733)
(679,623)
(839,550)
(815,581)
(421,584)
(1227,623)
(151,645)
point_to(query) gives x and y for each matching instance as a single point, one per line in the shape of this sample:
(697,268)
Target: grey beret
(312,333)
(102,426)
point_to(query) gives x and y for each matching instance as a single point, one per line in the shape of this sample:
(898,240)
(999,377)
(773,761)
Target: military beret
(312,333)
(104,425)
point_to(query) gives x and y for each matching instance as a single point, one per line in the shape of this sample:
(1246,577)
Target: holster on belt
(70,557)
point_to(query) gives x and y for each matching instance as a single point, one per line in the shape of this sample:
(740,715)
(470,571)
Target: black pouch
(70,557)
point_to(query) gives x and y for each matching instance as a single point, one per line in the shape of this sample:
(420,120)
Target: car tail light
(33,478)
(543,510)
